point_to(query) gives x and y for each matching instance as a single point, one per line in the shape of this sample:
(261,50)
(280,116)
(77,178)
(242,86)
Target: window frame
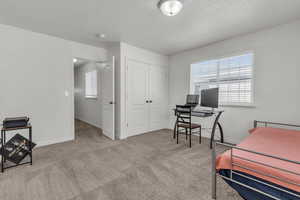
(231,104)
(85,90)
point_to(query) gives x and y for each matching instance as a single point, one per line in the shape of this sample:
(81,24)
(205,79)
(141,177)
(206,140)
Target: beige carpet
(146,167)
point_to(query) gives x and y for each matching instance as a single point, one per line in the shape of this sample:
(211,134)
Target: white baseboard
(88,122)
(54,141)
(123,137)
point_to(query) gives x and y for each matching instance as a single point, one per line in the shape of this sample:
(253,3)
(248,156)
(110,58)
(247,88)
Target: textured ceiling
(139,22)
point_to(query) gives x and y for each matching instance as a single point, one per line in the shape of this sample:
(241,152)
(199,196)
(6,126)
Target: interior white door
(158,94)
(137,96)
(108,98)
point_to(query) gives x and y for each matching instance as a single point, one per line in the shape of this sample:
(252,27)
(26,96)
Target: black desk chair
(184,120)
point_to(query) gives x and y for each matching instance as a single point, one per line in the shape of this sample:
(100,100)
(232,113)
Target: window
(233,76)
(91,84)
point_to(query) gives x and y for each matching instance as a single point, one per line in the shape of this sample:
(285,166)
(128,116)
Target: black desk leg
(214,130)
(30,142)
(221,132)
(4,142)
(2,151)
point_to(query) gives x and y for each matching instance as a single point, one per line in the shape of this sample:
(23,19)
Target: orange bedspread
(272,141)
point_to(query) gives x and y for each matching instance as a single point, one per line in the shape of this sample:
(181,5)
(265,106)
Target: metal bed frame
(215,174)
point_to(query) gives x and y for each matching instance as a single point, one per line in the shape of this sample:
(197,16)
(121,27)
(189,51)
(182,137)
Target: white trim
(72,100)
(55,141)
(91,97)
(123,137)
(253,79)
(246,105)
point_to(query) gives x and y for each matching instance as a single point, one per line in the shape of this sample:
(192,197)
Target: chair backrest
(184,114)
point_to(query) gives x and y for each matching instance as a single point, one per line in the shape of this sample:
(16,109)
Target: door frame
(72,91)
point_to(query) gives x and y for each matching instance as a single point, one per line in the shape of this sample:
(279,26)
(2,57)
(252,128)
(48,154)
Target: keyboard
(201,110)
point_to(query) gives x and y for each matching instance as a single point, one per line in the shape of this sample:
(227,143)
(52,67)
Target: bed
(264,166)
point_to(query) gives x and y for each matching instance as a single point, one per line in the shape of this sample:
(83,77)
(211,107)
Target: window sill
(250,105)
(91,97)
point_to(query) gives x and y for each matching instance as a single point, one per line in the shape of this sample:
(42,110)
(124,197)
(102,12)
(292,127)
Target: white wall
(131,52)
(277,82)
(37,80)
(87,109)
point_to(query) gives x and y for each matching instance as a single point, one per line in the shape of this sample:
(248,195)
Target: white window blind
(233,76)
(91,84)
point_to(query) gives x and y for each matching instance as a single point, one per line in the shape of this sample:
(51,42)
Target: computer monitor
(210,98)
(192,99)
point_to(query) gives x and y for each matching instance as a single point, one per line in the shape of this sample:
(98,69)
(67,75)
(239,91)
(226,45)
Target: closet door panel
(138,109)
(158,94)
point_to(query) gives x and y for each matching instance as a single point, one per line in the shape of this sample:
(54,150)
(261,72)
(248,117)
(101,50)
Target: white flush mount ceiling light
(170,7)
(102,35)
(75,60)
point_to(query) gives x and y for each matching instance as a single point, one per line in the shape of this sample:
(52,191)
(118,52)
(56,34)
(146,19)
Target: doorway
(94,97)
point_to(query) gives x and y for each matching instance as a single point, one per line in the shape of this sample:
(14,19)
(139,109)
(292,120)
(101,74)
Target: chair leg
(186,133)
(174,131)
(177,134)
(190,138)
(200,135)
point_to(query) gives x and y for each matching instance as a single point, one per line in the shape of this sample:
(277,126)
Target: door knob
(111,102)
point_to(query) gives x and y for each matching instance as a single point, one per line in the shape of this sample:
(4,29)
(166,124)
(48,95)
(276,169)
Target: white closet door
(158,94)
(138,108)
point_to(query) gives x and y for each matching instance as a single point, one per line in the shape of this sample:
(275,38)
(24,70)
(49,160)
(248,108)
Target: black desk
(198,113)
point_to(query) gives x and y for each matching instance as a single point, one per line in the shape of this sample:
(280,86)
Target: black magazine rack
(16,149)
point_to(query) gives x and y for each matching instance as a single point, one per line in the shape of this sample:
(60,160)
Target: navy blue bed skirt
(249,194)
